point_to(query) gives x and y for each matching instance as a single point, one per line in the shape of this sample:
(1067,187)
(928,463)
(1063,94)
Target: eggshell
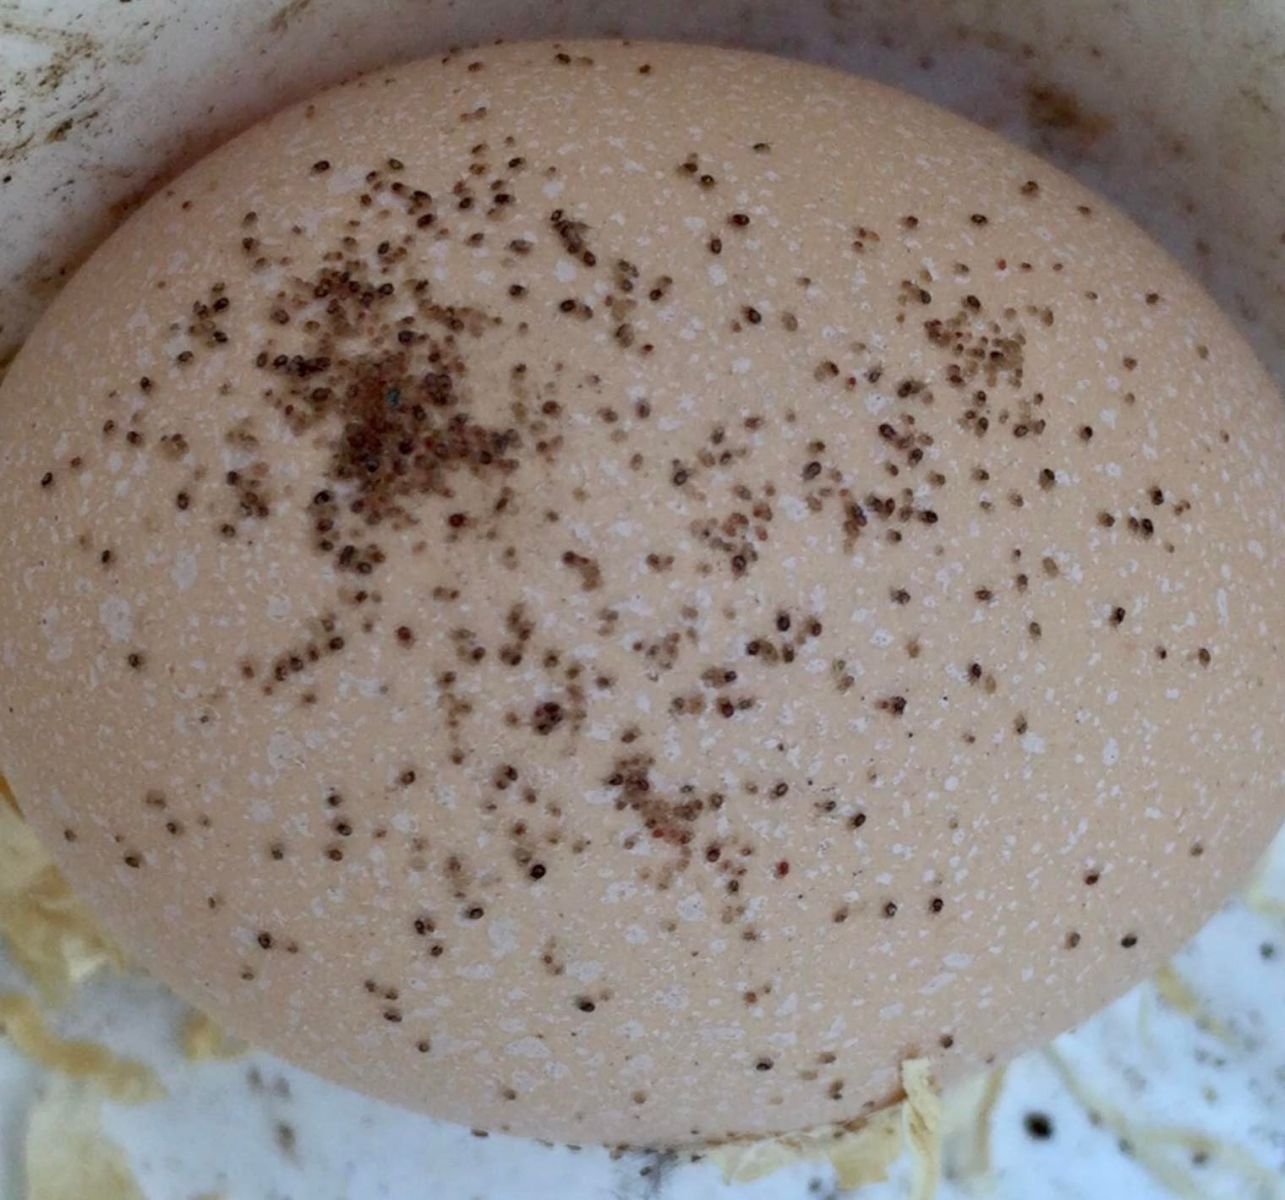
(617,592)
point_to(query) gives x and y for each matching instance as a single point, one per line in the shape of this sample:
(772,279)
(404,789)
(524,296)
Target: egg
(619,592)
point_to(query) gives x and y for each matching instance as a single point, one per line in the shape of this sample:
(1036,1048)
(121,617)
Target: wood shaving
(1176,992)
(68,1156)
(861,1155)
(968,1113)
(124,1080)
(1165,1152)
(202,1040)
(49,933)
(921,1126)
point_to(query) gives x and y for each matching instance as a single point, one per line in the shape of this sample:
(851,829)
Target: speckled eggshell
(616,592)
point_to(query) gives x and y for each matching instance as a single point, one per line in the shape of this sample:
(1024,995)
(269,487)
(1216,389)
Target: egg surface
(617,592)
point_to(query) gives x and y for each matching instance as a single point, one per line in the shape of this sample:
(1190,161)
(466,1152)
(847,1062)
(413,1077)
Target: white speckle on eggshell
(185,571)
(117,617)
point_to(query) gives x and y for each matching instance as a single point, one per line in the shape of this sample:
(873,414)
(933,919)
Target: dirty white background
(1173,108)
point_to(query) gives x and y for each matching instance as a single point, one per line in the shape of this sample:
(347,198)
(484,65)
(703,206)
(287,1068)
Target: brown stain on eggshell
(679,562)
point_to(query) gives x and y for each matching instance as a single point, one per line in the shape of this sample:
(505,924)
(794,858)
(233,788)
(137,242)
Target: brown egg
(617,592)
